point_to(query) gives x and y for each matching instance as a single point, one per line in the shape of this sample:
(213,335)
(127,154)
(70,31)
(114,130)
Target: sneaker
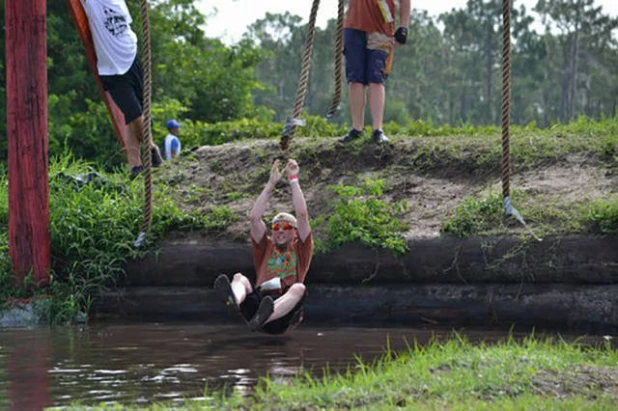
(379,137)
(155,154)
(353,134)
(135,171)
(264,311)
(224,291)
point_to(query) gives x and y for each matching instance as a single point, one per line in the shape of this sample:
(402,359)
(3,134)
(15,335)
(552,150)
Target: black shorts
(127,90)
(249,307)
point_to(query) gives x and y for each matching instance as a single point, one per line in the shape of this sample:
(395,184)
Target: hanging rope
(506,116)
(289,128)
(506,97)
(146,121)
(336,101)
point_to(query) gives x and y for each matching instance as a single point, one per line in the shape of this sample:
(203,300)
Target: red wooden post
(26,124)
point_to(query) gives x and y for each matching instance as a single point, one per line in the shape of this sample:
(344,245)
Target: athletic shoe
(379,137)
(266,308)
(135,171)
(353,134)
(157,160)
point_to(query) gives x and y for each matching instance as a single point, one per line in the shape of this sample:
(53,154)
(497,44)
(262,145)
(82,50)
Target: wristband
(293,176)
(293,179)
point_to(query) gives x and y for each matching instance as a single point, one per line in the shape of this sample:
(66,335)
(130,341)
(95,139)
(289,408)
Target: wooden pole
(26,101)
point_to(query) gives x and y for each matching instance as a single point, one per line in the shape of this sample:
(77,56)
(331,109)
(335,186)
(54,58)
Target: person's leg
(376,105)
(287,301)
(377,96)
(132,139)
(357,105)
(355,46)
(241,287)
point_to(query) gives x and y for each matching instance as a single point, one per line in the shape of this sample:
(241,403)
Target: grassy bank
(536,373)
(94,221)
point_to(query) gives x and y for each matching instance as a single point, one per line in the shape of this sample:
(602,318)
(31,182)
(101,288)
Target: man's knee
(238,277)
(297,290)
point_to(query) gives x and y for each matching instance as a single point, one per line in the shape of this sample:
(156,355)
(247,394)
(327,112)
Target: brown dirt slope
(432,175)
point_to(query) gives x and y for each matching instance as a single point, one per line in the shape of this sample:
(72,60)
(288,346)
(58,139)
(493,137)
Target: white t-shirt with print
(114,41)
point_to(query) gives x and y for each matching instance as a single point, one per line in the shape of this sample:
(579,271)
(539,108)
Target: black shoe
(155,154)
(266,308)
(135,171)
(379,137)
(353,134)
(224,291)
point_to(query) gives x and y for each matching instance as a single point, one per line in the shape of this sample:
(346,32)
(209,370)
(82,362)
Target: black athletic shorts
(249,307)
(127,90)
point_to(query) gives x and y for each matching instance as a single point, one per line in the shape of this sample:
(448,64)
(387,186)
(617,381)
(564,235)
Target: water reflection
(142,363)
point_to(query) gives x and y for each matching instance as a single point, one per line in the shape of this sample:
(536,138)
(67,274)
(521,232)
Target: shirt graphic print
(281,265)
(115,23)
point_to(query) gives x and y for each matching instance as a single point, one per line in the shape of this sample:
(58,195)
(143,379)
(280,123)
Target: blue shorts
(361,64)
(127,91)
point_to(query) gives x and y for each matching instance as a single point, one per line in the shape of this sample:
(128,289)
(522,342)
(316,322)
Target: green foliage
(474,215)
(603,214)
(93,227)
(457,374)
(219,218)
(85,134)
(360,216)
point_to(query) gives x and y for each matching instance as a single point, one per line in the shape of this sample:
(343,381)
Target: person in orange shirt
(274,303)
(369,38)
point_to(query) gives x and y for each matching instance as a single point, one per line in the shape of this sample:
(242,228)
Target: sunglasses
(279,226)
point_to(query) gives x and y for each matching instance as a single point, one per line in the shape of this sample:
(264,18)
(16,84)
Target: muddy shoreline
(568,283)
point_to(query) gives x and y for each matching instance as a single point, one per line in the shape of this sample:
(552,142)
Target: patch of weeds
(234,196)
(475,215)
(548,215)
(551,217)
(603,214)
(192,194)
(360,216)
(216,165)
(219,218)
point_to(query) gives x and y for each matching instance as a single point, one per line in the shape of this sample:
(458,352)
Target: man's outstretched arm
(298,199)
(258,228)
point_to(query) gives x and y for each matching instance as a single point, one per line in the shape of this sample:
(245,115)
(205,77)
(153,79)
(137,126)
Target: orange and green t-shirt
(290,265)
(371,16)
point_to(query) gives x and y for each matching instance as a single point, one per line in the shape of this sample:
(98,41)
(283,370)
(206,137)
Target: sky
(228,19)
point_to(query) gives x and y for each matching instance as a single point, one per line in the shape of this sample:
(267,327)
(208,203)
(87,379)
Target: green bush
(360,216)
(603,215)
(93,227)
(474,215)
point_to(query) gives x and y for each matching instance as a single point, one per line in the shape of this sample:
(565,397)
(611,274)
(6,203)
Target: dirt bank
(501,275)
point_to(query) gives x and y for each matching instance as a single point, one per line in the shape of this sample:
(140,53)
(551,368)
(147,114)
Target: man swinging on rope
(120,71)
(274,304)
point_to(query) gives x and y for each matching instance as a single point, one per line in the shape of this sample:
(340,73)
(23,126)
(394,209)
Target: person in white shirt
(120,71)
(172,142)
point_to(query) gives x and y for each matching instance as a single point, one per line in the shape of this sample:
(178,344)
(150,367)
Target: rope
(506,97)
(146,120)
(334,105)
(506,116)
(289,128)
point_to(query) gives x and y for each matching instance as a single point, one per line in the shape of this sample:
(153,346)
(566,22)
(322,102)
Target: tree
(583,32)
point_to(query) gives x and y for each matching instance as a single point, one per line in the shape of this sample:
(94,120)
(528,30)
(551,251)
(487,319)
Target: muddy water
(144,363)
